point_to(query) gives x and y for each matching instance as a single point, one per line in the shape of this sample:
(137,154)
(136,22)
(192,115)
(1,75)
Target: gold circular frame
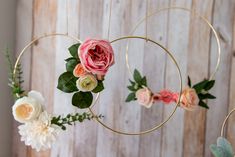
(37,39)
(177,104)
(185,9)
(224,122)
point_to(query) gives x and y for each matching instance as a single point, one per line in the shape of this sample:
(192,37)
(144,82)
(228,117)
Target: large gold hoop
(36,40)
(185,9)
(174,110)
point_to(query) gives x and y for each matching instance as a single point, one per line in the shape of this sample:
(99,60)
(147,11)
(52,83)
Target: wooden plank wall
(188,134)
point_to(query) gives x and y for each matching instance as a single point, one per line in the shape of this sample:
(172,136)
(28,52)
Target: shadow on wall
(7,39)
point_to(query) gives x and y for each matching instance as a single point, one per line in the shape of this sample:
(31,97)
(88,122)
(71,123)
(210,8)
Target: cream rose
(189,99)
(28,108)
(86,83)
(144,97)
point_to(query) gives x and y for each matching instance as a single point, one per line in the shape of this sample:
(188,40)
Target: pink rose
(166,96)
(96,56)
(144,97)
(189,99)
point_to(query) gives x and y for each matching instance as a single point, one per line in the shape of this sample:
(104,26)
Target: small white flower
(39,134)
(86,83)
(28,108)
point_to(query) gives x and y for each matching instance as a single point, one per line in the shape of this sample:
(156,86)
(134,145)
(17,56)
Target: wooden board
(189,39)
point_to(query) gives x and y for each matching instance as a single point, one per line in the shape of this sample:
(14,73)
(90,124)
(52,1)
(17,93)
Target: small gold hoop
(185,9)
(225,120)
(37,39)
(172,113)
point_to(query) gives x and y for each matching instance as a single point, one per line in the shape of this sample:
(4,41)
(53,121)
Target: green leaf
(226,146)
(130,97)
(206,96)
(132,82)
(67,82)
(82,99)
(203,104)
(144,81)
(74,50)
(209,85)
(189,82)
(71,64)
(216,151)
(200,86)
(131,88)
(137,76)
(99,87)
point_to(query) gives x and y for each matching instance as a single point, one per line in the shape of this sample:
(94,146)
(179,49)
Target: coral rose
(166,96)
(144,97)
(79,71)
(189,99)
(96,56)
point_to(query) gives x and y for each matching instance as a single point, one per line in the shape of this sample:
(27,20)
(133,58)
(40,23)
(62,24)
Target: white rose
(28,108)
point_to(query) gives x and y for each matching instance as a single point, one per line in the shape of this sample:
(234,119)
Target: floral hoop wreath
(223,147)
(85,71)
(144,79)
(192,96)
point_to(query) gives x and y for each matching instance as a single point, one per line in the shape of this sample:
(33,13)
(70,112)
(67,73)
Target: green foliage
(99,87)
(74,50)
(222,149)
(202,89)
(138,83)
(71,119)
(67,82)
(82,99)
(71,64)
(15,81)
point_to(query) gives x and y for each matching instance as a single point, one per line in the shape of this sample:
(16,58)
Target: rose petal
(37,96)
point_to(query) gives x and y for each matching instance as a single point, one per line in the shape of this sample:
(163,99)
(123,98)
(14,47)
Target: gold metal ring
(37,39)
(172,113)
(225,120)
(185,9)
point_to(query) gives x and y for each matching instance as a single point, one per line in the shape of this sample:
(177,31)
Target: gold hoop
(185,9)
(172,113)
(37,39)
(225,120)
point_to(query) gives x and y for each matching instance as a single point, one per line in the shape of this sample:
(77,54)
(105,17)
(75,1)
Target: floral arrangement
(191,97)
(84,76)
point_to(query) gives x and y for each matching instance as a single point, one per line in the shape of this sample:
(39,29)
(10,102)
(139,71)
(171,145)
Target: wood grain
(223,21)
(198,64)
(185,35)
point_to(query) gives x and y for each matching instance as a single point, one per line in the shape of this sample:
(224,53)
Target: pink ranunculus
(166,96)
(144,97)
(96,56)
(189,99)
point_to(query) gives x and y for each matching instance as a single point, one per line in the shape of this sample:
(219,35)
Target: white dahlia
(39,134)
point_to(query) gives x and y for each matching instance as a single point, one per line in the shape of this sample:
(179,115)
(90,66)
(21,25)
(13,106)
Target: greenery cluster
(70,119)
(222,148)
(202,89)
(67,81)
(15,81)
(138,83)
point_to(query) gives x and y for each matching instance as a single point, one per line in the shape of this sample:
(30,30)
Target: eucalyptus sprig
(202,89)
(222,148)
(138,83)
(15,81)
(70,119)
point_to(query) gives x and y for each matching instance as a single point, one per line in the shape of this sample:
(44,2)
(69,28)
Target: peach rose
(189,99)
(28,108)
(96,56)
(144,97)
(79,71)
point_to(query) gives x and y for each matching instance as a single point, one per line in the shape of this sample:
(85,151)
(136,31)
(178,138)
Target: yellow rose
(28,108)
(86,83)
